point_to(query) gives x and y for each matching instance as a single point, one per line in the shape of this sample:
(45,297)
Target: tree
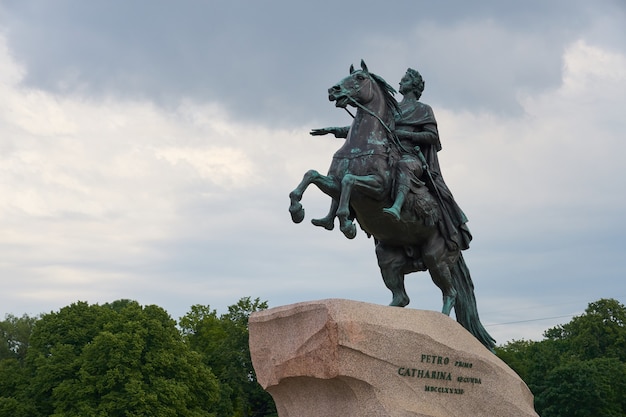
(579,368)
(13,383)
(118,359)
(15,336)
(516,355)
(15,333)
(600,332)
(223,343)
(593,387)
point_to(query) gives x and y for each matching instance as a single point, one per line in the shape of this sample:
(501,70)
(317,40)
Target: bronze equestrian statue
(387,177)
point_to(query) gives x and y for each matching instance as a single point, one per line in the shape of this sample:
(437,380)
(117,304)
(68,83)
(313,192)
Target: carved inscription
(439,370)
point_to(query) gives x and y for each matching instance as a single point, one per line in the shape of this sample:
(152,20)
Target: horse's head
(361,87)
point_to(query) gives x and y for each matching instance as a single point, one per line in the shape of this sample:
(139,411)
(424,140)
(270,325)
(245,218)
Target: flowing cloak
(419,117)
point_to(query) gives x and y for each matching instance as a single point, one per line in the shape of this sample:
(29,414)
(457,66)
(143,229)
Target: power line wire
(539,319)
(526,321)
(552,304)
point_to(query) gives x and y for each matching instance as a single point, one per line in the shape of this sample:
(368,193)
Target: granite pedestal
(346,358)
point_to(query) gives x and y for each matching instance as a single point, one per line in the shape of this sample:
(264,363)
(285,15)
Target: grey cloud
(260,58)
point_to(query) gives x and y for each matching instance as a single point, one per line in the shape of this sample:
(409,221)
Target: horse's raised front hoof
(297,212)
(400,301)
(348,229)
(326,223)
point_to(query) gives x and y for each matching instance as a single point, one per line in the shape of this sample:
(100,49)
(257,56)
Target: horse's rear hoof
(401,301)
(325,223)
(448,304)
(349,230)
(297,212)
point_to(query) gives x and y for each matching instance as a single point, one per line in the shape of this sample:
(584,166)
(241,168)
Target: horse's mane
(388,92)
(392,106)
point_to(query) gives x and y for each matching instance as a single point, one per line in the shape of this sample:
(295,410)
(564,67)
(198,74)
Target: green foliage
(15,336)
(122,359)
(118,359)
(600,332)
(594,387)
(579,369)
(15,333)
(223,343)
(13,383)
(11,406)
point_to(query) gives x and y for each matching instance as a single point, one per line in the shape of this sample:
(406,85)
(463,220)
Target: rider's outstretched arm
(339,132)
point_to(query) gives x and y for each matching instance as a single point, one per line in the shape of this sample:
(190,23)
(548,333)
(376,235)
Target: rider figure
(416,130)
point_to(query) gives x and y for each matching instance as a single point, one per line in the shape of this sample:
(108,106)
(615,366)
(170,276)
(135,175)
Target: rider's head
(417,82)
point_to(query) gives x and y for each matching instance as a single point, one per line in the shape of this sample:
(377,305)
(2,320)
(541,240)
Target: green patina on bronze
(387,177)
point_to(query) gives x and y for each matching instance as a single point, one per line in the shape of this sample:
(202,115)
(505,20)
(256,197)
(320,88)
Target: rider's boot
(396,209)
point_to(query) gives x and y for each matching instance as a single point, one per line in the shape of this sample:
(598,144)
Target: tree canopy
(579,368)
(223,343)
(118,359)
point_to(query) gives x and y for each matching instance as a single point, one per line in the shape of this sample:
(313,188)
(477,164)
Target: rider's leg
(408,171)
(396,208)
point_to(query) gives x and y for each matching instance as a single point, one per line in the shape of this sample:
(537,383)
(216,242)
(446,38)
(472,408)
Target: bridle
(391,133)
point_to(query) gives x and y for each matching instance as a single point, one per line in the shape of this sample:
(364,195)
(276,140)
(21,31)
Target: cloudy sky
(147,149)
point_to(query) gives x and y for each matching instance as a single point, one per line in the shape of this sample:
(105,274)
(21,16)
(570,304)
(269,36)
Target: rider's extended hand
(320,132)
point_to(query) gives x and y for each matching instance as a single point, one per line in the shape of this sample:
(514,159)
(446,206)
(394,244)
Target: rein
(392,135)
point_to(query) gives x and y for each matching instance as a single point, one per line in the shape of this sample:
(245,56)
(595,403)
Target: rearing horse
(359,182)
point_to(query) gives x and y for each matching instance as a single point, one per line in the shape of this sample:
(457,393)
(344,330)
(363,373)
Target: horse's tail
(465,305)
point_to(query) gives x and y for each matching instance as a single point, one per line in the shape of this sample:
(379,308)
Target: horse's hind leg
(328,221)
(436,257)
(392,262)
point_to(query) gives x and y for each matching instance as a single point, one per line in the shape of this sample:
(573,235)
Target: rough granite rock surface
(346,358)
